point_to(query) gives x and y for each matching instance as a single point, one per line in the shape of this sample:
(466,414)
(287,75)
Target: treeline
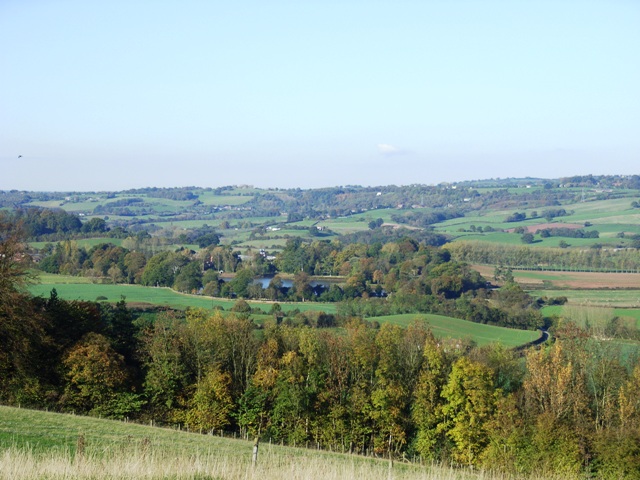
(597,259)
(568,233)
(45,224)
(548,214)
(177,193)
(406,276)
(425,219)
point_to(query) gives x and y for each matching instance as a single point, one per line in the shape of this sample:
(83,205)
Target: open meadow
(159,296)
(447,327)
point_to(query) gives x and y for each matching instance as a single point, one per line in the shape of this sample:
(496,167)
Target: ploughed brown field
(586,280)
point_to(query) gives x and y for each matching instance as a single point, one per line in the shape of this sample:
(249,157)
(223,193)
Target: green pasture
(599,213)
(55,279)
(77,207)
(552,310)
(534,275)
(269,244)
(596,208)
(156,296)
(46,204)
(383,213)
(558,310)
(86,243)
(209,198)
(494,237)
(248,191)
(215,221)
(302,223)
(612,229)
(286,232)
(554,242)
(448,327)
(345,225)
(601,298)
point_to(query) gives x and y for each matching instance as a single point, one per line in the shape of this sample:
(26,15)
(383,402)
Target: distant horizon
(350,185)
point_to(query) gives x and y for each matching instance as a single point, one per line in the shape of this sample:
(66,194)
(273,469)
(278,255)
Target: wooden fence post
(390,459)
(254,459)
(80,444)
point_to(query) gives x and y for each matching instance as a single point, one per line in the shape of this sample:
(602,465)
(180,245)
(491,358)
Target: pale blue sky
(120,94)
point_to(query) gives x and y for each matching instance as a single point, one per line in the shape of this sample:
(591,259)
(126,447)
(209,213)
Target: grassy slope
(455,328)
(609,217)
(156,296)
(44,445)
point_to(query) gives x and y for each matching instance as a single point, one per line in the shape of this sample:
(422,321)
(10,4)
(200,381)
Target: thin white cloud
(386,149)
(389,150)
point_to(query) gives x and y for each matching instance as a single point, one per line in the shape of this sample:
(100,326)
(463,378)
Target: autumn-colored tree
(95,374)
(203,335)
(556,404)
(254,406)
(506,437)
(605,376)
(552,385)
(331,425)
(21,327)
(629,402)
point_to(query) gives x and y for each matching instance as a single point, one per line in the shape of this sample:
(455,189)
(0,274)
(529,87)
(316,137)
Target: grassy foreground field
(42,445)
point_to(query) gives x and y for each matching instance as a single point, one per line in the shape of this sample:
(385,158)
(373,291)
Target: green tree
(189,278)
(240,283)
(167,377)
(211,405)
(426,409)
(95,225)
(162,268)
(302,286)
(390,396)
(470,401)
(527,238)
